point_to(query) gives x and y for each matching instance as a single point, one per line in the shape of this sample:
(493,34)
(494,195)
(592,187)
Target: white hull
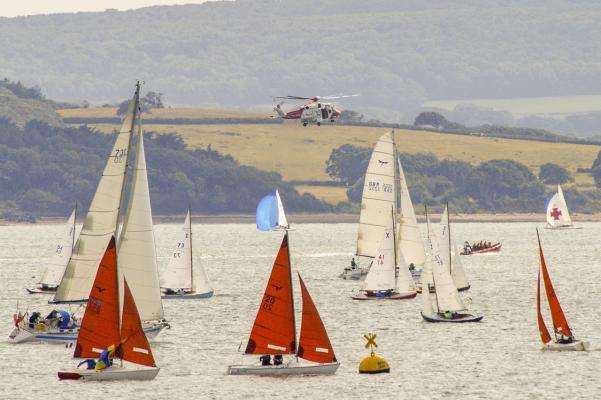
(41,290)
(355,274)
(190,295)
(562,227)
(463,319)
(55,335)
(113,373)
(577,345)
(394,296)
(286,369)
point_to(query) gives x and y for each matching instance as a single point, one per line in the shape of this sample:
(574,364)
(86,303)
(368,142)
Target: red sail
(314,343)
(560,323)
(542,328)
(100,324)
(135,347)
(274,328)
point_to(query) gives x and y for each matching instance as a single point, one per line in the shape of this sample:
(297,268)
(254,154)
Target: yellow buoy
(373,363)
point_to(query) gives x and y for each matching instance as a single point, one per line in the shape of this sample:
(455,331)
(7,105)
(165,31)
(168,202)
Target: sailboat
(558,215)
(274,330)
(448,305)
(448,247)
(58,262)
(135,244)
(177,281)
(383,282)
(385,187)
(112,319)
(564,337)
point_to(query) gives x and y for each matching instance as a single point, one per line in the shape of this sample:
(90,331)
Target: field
(164,113)
(300,153)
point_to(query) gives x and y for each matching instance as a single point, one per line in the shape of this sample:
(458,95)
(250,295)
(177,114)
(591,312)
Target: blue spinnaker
(267,213)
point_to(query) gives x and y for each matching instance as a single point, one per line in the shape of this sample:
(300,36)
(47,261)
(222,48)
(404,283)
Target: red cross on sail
(560,323)
(556,213)
(274,330)
(314,343)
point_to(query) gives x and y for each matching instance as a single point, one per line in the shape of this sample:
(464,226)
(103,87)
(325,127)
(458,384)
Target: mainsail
(178,274)
(274,330)
(557,210)
(449,253)
(314,343)
(56,267)
(381,275)
(560,323)
(409,239)
(379,196)
(102,219)
(136,251)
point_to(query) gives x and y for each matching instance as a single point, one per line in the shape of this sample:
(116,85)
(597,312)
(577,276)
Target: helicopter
(313,111)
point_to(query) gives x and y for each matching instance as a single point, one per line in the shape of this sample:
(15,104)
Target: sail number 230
(120,155)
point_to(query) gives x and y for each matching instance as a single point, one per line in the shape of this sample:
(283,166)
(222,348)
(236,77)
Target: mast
(449,234)
(74,225)
(191,265)
(432,272)
(291,288)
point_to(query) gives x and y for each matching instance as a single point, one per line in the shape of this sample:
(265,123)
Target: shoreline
(329,218)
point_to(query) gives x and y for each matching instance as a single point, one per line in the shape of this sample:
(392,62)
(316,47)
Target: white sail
(102,219)
(201,282)
(381,275)
(447,296)
(282,220)
(447,247)
(427,307)
(178,274)
(56,267)
(410,243)
(136,253)
(379,196)
(404,281)
(457,271)
(557,210)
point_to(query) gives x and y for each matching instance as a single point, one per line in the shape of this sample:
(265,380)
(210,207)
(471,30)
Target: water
(496,359)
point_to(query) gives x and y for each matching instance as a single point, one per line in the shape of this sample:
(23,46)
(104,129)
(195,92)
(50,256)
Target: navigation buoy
(373,363)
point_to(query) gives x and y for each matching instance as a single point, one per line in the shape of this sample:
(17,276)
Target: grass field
(165,113)
(300,153)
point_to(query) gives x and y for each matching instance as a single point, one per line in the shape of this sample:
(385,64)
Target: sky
(31,7)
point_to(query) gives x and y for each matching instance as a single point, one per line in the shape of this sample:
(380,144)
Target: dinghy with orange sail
(111,326)
(274,330)
(564,337)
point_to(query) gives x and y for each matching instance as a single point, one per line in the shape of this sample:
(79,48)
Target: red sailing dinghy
(111,318)
(274,330)
(564,338)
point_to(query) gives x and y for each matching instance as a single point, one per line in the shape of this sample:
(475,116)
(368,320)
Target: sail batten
(102,219)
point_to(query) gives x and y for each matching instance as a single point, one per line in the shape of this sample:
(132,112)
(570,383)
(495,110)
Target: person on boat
(353,264)
(411,267)
(34,318)
(278,359)
(565,339)
(106,358)
(265,360)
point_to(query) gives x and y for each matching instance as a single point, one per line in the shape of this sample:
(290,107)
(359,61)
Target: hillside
(299,153)
(397,54)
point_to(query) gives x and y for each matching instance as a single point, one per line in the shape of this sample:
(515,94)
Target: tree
(553,174)
(348,163)
(430,118)
(596,172)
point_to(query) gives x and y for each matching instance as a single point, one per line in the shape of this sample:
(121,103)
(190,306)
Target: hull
(394,296)
(286,369)
(188,296)
(433,289)
(577,345)
(61,336)
(562,227)
(463,319)
(492,249)
(40,290)
(113,373)
(354,274)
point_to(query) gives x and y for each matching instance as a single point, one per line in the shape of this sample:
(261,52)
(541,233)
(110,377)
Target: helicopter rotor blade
(340,97)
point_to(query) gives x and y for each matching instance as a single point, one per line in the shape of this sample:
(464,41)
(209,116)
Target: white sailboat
(58,262)
(177,281)
(558,215)
(447,305)
(100,225)
(448,248)
(382,281)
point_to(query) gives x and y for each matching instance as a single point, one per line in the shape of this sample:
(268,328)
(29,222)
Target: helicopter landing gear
(304,124)
(319,124)
(332,121)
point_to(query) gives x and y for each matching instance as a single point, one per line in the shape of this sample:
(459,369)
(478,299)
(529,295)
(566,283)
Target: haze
(32,7)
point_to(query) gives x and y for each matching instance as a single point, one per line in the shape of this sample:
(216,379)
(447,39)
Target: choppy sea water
(498,358)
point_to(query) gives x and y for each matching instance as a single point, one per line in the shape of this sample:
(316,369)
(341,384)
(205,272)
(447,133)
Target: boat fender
(41,327)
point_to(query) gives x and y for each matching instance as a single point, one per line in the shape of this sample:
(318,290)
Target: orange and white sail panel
(274,329)
(560,324)
(314,343)
(100,324)
(134,344)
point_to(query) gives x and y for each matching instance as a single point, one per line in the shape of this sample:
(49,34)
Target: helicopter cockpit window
(324,113)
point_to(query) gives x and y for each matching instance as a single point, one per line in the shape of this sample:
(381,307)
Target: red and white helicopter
(313,111)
